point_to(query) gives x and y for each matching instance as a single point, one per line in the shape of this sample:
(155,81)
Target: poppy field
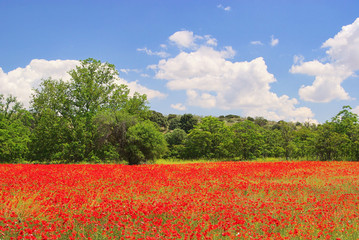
(227,200)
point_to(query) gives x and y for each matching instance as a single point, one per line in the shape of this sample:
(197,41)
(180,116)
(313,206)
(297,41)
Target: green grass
(185,161)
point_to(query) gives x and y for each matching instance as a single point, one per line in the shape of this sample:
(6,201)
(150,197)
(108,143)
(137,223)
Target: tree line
(252,138)
(92,118)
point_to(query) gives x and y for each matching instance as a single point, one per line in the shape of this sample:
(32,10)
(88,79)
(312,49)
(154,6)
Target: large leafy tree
(111,134)
(247,139)
(272,146)
(175,140)
(346,122)
(187,122)
(144,143)
(330,144)
(304,141)
(159,119)
(15,124)
(65,111)
(211,138)
(287,143)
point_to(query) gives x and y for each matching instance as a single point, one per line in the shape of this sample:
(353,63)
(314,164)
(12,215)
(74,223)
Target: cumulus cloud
(256,43)
(134,86)
(178,106)
(210,80)
(210,40)
(274,41)
(327,83)
(344,47)
(161,54)
(343,55)
(20,81)
(228,8)
(183,39)
(187,40)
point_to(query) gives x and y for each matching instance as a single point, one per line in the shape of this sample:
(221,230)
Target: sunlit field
(229,200)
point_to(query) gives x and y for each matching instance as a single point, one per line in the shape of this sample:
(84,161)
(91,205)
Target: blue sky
(290,60)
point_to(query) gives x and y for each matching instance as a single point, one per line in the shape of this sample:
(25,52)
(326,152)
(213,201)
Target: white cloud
(228,8)
(183,39)
(274,41)
(356,110)
(162,54)
(327,84)
(144,75)
(344,47)
(210,41)
(20,81)
(212,81)
(343,53)
(298,59)
(134,86)
(187,40)
(127,70)
(256,43)
(178,106)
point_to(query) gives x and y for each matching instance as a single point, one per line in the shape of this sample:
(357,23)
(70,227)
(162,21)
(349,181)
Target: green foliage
(329,144)
(51,137)
(144,143)
(176,137)
(304,142)
(247,139)
(159,119)
(260,121)
(209,139)
(347,123)
(187,122)
(174,123)
(14,130)
(68,113)
(112,127)
(287,136)
(91,118)
(272,143)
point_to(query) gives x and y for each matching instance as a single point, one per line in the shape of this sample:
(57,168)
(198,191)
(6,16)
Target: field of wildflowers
(228,200)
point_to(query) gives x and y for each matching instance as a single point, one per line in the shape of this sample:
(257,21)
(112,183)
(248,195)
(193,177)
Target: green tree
(173,122)
(287,138)
(272,146)
(211,138)
(247,140)
(112,127)
(304,141)
(187,122)
(144,143)
(53,135)
(329,144)
(175,141)
(52,138)
(260,121)
(73,106)
(14,130)
(176,137)
(347,122)
(159,119)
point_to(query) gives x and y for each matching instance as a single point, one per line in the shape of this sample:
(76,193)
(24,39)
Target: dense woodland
(91,118)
